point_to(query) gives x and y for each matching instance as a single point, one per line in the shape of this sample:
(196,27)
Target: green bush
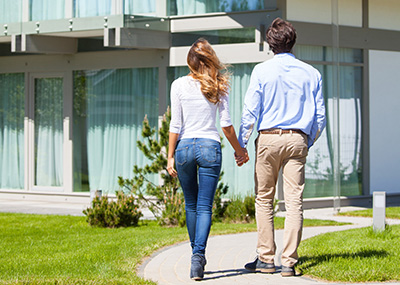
(239,210)
(113,214)
(242,210)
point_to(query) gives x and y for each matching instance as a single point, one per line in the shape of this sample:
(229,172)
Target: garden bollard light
(95,193)
(379,210)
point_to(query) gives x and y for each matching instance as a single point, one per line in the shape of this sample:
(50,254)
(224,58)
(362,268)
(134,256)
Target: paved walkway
(226,254)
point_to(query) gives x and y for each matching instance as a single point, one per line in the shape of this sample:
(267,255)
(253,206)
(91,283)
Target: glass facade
(109,108)
(319,174)
(320,160)
(193,7)
(231,36)
(12,112)
(110,103)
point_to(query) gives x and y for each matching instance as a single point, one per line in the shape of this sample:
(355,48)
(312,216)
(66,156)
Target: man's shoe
(258,265)
(287,271)
(197,266)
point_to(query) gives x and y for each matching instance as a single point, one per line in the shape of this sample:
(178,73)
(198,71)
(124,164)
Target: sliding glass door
(46,136)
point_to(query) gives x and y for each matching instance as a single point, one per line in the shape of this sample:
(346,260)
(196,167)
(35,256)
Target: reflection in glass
(319,174)
(232,36)
(109,108)
(192,7)
(12,112)
(49,131)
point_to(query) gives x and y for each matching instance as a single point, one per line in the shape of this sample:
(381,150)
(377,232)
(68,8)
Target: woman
(195,142)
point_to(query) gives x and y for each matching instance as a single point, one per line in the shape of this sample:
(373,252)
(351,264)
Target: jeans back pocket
(181,155)
(209,153)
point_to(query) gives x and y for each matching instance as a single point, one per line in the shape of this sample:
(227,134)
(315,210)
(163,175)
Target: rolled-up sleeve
(319,117)
(251,109)
(176,110)
(224,115)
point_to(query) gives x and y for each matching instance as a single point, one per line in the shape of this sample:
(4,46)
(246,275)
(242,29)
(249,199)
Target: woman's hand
(170,167)
(241,157)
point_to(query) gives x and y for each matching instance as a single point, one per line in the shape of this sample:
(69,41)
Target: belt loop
(280,132)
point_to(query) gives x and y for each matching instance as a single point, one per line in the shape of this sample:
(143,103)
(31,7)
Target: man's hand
(241,157)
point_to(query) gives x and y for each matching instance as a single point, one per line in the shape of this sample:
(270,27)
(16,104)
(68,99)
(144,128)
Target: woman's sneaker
(258,265)
(197,266)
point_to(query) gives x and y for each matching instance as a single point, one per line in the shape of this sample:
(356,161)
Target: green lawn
(44,249)
(358,255)
(391,213)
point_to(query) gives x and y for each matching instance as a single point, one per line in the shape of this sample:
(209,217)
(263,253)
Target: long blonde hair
(205,66)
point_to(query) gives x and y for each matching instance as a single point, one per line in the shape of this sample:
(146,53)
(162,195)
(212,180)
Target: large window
(109,108)
(92,8)
(139,6)
(12,112)
(10,11)
(320,160)
(192,7)
(46,9)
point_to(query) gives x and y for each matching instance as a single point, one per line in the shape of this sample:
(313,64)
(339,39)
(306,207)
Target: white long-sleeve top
(192,115)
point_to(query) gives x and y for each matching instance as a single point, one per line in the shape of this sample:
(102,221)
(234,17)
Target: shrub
(164,200)
(112,214)
(239,210)
(243,210)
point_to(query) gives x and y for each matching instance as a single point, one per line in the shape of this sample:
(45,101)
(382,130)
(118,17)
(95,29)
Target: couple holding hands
(285,100)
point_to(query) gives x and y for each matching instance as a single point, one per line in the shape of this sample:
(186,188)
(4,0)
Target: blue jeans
(198,163)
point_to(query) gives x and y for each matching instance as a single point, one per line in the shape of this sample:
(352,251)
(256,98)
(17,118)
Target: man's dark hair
(281,36)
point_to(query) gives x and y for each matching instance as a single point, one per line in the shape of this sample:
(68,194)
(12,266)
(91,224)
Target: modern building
(77,78)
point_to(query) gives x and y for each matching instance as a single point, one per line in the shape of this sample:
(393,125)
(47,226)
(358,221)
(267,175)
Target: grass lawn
(44,249)
(391,213)
(358,255)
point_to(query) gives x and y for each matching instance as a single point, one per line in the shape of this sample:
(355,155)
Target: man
(285,96)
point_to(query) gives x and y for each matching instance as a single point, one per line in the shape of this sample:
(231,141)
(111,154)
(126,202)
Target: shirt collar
(284,54)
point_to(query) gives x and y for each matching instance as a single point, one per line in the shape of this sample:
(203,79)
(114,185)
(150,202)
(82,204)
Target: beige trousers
(274,151)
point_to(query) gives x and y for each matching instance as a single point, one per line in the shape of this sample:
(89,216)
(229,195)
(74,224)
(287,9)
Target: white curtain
(92,8)
(49,131)
(47,9)
(10,11)
(12,102)
(117,102)
(240,180)
(139,6)
(319,167)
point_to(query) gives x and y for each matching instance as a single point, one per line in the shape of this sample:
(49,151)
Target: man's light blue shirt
(284,93)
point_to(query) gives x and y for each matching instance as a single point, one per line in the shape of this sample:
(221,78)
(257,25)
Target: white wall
(320,11)
(384,104)
(384,14)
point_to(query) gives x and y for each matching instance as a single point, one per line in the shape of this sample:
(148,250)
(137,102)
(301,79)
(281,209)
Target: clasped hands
(241,157)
